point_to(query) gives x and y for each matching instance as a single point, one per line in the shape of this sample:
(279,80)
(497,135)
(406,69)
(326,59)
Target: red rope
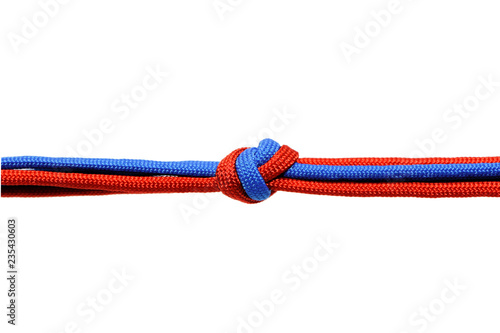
(398,160)
(28,183)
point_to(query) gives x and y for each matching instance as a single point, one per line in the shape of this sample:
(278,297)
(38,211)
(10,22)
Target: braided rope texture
(252,175)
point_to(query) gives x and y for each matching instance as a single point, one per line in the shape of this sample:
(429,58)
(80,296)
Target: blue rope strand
(90,165)
(431,172)
(420,172)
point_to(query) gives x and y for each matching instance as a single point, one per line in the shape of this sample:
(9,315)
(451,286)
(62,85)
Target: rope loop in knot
(243,174)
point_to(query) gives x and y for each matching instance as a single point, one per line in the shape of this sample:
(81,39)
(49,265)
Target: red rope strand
(28,183)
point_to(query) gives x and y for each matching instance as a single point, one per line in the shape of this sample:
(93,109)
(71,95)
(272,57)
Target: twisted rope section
(243,174)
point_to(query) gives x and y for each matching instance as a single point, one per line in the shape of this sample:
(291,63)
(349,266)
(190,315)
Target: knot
(243,174)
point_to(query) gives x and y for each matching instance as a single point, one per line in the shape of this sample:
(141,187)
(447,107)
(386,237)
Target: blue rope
(243,175)
(248,162)
(90,165)
(420,172)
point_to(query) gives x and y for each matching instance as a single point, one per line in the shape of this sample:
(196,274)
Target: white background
(229,74)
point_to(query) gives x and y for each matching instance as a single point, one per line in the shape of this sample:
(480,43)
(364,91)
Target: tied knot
(245,173)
